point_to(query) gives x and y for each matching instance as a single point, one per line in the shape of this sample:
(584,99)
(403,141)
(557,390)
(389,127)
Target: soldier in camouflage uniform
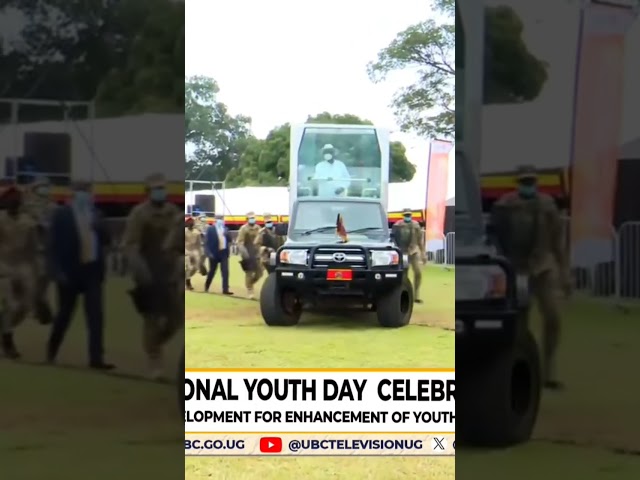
(202,227)
(267,241)
(193,251)
(18,244)
(153,266)
(528,231)
(40,207)
(408,237)
(175,247)
(246,242)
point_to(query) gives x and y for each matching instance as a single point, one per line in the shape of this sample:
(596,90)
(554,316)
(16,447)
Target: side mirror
(282,229)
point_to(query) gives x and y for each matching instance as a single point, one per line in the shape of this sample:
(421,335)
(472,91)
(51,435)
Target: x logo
(438,443)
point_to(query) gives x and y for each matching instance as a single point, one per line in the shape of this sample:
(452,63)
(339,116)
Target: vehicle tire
(499,401)
(180,384)
(395,308)
(279,308)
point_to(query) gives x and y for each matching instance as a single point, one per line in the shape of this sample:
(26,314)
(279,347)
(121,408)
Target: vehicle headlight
(294,257)
(481,282)
(384,258)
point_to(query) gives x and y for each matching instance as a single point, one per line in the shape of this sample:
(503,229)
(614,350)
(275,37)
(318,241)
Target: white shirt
(222,238)
(337,172)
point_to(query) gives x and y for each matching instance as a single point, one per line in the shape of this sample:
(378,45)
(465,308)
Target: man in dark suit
(76,258)
(218,248)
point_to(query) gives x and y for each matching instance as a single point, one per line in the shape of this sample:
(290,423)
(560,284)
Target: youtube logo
(270,445)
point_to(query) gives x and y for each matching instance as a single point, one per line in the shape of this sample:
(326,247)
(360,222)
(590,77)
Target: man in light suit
(217,247)
(76,247)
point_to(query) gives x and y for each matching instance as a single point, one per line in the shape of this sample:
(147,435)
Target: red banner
(437,180)
(597,127)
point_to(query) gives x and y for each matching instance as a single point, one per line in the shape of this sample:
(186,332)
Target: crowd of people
(67,245)
(254,244)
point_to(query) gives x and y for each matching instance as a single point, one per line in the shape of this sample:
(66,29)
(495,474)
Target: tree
(152,77)
(427,107)
(129,55)
(266,162)
(215,137)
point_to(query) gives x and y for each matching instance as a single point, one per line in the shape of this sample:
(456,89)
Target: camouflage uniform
(39,206)
(18,244)
(409,238)
(528,231)
(246,242)
(267,241)
(149,225)
(193,252)
(202,227)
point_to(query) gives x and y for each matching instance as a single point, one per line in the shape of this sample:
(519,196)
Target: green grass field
(57,419)
(590,430)
(229,332)
(67,422)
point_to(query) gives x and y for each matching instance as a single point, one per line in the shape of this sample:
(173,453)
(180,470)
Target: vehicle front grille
(339,257)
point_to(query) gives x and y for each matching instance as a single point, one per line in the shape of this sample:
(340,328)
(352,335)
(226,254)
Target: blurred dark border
(97,88)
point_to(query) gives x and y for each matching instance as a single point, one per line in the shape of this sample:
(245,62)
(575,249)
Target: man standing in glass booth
(331,174)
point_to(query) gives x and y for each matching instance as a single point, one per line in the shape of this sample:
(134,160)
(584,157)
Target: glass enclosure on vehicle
(339,161)
(365,217)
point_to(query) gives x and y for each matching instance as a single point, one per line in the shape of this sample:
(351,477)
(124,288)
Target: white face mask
(328,156)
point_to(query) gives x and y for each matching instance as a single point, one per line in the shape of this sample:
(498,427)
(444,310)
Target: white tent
(275,200)
(111,149)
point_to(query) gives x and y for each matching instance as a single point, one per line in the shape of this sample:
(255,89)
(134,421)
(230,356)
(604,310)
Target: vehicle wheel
(394,309)
(180,384)
(279,308)
(498,404)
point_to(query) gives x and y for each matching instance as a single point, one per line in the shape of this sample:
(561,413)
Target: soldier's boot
(187,284)
(9,347)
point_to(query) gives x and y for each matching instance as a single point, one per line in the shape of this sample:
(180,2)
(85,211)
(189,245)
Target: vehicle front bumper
(313,282)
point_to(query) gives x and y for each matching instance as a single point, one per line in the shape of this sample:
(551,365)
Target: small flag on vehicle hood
(340,230)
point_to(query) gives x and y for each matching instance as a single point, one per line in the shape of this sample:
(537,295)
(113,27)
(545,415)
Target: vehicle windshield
(339,162)
(468,211)
(321,218)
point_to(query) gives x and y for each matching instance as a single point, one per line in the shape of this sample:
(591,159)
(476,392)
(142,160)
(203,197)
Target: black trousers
(223,262)
(89,285)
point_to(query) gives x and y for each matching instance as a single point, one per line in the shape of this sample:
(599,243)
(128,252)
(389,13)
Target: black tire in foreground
(395,308)
(498,401)
(279,308)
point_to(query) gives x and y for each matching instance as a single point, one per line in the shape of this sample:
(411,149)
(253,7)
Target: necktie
(220,239)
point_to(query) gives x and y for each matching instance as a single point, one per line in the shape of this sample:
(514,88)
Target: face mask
(328,157)
(252,221)
(407,218)
(268,224)
(82,200)
(527,191)
(220,222)
(158,195)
